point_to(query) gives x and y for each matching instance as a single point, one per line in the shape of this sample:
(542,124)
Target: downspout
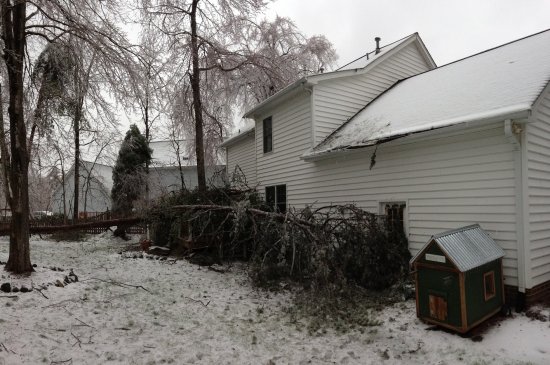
(514,134)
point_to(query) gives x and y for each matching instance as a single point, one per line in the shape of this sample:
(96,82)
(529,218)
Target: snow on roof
(468,247)
(369,57)
(241,133)
(349,69)
(498,82)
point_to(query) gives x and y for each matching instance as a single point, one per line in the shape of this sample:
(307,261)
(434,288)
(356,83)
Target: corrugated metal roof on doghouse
(468,247)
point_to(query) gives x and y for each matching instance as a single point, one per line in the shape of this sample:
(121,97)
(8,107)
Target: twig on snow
(9,296)
(40,291)
(198,301)
(68,361)
(83,323)
(118,284)
(7,350)
(78,342)
(56,304)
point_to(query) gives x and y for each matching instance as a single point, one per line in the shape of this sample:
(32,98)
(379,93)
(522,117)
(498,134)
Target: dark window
(395,215)
(268,135)
(270,196)
(281,198)
(489,285)
(275,197)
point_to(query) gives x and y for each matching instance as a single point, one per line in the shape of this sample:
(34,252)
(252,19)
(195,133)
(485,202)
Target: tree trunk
(147,138)
(76,163)
(197,104)
(14,17)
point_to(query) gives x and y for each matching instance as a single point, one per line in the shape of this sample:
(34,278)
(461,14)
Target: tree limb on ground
(118,284)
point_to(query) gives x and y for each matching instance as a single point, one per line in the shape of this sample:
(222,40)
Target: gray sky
(450,29)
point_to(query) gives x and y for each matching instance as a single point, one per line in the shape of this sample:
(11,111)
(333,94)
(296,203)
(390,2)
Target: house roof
(502,81)
(372,56)
(467,247)
(241,134)
(344,71)
(359,65)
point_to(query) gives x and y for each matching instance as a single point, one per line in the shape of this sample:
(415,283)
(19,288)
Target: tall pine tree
(129,173)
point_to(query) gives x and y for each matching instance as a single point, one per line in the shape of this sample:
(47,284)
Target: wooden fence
(91,222)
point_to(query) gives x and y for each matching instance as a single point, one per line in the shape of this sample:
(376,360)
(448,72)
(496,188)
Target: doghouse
(458,278)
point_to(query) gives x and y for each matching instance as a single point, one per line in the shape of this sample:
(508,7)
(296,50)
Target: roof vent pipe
(377,40)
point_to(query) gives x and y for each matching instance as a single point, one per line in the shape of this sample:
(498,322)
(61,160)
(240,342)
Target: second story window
(268,135)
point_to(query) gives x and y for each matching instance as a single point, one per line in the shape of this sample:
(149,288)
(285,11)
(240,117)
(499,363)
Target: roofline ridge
(492,49)
(373,51)
(461,229)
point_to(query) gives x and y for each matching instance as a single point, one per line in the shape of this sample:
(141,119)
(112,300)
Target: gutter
(278,95)
(514,112)
(232,140)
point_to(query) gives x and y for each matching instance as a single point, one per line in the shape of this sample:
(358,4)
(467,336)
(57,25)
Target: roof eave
(517,112)
(239,137)
(278,96)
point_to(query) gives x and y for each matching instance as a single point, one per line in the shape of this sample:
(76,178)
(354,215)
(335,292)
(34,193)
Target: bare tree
(24,34)
(199,31)
(280,54)
(16,161)
(225,57)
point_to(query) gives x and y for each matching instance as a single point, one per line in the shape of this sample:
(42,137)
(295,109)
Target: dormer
(336,96)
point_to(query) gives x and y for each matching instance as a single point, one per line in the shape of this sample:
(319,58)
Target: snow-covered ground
(191,315)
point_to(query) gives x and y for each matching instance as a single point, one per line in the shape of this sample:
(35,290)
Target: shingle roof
(501,81)
(468,247)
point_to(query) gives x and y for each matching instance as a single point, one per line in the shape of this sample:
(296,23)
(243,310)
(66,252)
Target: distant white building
(166,174)
(96,182)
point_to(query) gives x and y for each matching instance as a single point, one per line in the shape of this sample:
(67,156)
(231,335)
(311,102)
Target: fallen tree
(328,247)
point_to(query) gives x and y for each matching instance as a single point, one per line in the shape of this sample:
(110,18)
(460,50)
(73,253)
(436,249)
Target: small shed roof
(468,247)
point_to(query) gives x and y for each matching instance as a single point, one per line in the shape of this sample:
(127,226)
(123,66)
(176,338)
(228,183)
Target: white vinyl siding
(335,101)
(538,167)
(243,155)
(447,181)
(291,133)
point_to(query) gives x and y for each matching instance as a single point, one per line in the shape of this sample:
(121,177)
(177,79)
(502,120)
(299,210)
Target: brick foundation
(521,301)
(538,294)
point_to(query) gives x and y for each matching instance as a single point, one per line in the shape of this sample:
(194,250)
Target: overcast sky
(450,29)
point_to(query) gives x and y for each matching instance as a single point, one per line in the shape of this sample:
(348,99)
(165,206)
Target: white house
(167,173)
(449,146)
(96,182)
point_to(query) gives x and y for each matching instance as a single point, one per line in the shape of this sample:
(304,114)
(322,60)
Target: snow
(368,58)
(497,83)
(191,315)
(241,133)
